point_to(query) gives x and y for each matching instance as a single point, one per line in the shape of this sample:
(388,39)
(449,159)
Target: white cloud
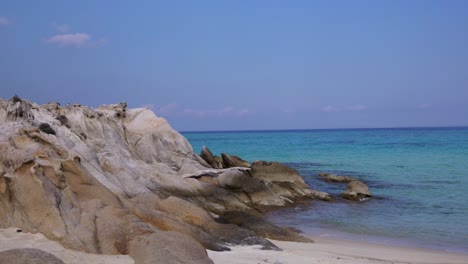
(329,109)
(4,21)
(75,39)
(357,107)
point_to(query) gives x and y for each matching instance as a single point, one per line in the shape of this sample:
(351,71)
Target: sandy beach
(324,251)
(335,251)
(10,239)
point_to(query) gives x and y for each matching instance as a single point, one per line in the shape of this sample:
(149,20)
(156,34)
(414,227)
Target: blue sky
(235,65)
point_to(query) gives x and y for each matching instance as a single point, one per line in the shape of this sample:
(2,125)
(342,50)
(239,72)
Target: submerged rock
(329,177)
(356,191)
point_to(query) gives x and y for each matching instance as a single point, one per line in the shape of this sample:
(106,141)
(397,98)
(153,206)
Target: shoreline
(333,250)
(384,240)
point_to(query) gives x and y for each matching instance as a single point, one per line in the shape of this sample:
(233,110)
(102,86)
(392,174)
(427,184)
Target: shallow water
(420,176)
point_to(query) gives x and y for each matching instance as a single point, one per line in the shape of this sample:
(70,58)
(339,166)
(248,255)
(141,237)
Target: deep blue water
(420,176)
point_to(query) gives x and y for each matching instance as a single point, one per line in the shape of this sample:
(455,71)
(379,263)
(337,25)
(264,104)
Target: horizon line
(318,129)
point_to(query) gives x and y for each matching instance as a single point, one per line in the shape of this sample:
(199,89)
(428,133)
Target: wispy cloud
(4,21)
(70,40)
(424,106)
(329,109)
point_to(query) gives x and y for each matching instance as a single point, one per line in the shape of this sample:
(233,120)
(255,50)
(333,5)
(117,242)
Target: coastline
(338,251)
(325,250)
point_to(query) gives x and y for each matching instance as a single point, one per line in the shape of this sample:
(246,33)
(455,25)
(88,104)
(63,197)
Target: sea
(418,176)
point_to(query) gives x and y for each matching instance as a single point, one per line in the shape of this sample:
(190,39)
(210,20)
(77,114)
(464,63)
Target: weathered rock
(231,161)
(209,158)
(276,172)
(173,249)
(261,227)
(28,256)
(356,191)
(112,179)
(235,179)
(329,177)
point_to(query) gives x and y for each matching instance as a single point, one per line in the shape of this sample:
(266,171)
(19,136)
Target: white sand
(10,239)
(324,251)
(333,251)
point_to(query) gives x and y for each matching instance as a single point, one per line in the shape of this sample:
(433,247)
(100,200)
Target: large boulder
(356,191)
(173,249)
(276,172)
(230,161)
(28,256)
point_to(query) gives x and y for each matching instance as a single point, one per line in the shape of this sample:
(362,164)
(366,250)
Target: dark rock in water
(28,256)
(261,226)
(230,161)
(321,195)
(208,157)
(356,191)
(329,177)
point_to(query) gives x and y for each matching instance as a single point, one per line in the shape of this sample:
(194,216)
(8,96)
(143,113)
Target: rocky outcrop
(28,256)
(114,180)
(213,161)
(356,191)
(231,161)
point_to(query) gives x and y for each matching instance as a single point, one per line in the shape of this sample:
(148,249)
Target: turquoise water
(419,176)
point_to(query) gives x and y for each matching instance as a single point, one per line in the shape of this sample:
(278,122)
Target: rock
(173,249)
(321,195)
(356,191)
(276,172)
(231,161)
(114,180)
(336,178)
(236,179)
(209,157)
(28,256)
(219,162)
(261,227)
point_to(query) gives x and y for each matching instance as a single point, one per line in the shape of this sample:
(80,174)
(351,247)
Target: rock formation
(114,180)
(356,191)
